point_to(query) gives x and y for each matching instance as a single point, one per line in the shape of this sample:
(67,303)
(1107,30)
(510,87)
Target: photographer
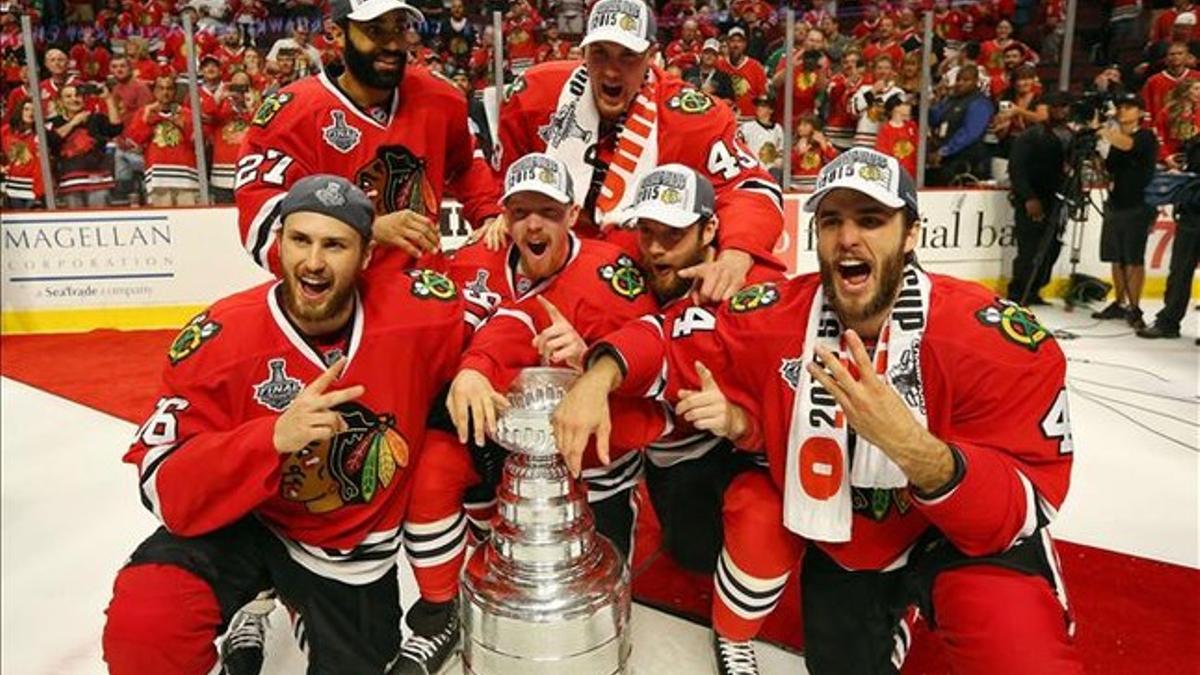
(810,79)
(1185,253)
(1127,217)
(239,101)
(164,130)
(77,139)
(1036,167)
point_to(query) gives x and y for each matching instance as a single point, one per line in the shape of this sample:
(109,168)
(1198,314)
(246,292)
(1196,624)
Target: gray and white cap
(629,23)
(539,172)
(872,173)
(674,195)
(368,10)
(332,196)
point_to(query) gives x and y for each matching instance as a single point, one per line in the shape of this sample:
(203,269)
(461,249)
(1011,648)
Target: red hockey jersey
(993,383)
(206,455)
(692,129)
(403,160)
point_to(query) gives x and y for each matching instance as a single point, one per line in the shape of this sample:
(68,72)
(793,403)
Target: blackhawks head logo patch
(1015,323)
(271,107)
(353,467)
(197,331)
(691,101)
(754,297)
(624,278)
(428,284)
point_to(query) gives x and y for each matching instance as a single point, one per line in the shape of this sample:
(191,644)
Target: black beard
(361,66)
(891,273)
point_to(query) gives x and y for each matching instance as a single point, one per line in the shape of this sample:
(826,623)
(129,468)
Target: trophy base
(573,622)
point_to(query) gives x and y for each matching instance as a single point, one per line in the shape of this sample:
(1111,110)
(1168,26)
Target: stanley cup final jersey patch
(277,391)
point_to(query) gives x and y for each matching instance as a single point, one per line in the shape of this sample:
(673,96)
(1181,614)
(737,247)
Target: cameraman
(1185,253)
(1127,218)
(1036,168)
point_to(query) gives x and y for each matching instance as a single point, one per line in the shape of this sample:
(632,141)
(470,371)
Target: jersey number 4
(1056,425)
(693,319)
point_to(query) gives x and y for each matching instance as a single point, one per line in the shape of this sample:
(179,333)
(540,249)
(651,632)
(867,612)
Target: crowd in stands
(120,130)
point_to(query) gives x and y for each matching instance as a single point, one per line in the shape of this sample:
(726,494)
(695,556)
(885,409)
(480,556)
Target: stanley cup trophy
(547,594)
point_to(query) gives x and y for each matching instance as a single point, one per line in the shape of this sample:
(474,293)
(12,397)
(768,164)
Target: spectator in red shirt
(164,129)
(131,94)
(20,159)
(948,21)
(91,58)
(811,150)
(898,136)
(1164,25)
(810,81)
(870,101)
(1178,123)
(1155,91)
(866,27)
(252,63)
(991,52)
(56,63)
(230,53)
(520,31)
(749,78)
(144,67)
(685,52)
(884,42)
(238,105)
(554,48)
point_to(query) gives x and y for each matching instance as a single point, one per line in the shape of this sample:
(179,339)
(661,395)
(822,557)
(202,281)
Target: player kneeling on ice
(281,450)
(915,424)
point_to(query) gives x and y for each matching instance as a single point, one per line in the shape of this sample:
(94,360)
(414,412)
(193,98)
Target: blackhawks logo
(197,331)
(429,284)
(691,101)
(397,179)
(1015,323)
(624,278)
(271,107)
(517,86)
(353,467)
(754,297)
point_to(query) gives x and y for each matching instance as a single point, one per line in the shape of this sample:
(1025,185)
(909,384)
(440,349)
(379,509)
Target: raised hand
(583,413)
(310,416)
(720,278)
(707,409)
(559,343)
(407,230)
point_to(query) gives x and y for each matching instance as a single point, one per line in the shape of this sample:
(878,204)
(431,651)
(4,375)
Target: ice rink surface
(69,511)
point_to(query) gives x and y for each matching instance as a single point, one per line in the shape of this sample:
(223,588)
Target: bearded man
(915,424)
(398,132)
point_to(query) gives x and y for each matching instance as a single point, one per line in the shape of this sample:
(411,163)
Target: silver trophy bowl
(546,594)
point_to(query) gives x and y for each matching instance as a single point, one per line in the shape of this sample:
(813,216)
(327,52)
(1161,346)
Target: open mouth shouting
(853,274)
(314,288)
(612,94)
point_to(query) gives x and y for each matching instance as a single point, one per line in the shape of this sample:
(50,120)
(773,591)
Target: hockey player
(718,509)
(281,451)
(615,116)
(545,282)
(924,467)
(397,131)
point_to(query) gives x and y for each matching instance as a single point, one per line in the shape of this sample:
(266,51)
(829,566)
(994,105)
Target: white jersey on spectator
(766,143)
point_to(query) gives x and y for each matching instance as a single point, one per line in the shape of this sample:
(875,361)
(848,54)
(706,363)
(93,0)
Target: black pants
(1031,236)
(852,619)
(1185,252)
(687,498)
(350,630)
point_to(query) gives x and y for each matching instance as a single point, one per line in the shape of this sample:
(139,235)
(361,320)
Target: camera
(1090,109)
(811,60)
(88,89)
(239,88)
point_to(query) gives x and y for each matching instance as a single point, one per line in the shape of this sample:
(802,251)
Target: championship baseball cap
(539,172)
(332,196)
(737,30)
(872,173)
(367,10)
(629,23)
(674,195)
